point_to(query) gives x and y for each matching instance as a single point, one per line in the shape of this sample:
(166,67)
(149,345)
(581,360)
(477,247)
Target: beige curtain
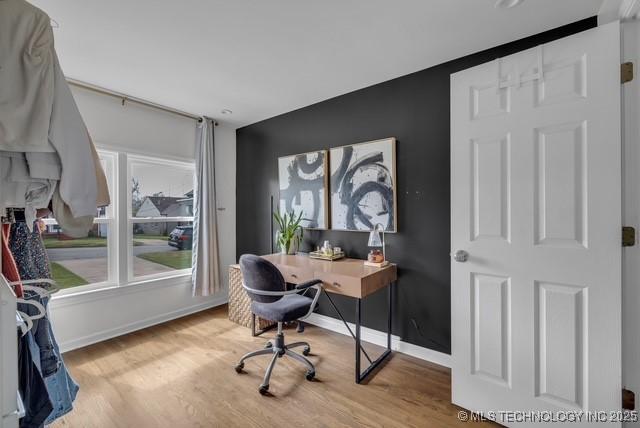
(206,262)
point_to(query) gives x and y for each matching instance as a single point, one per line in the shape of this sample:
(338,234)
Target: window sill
(158,276)
(110,290)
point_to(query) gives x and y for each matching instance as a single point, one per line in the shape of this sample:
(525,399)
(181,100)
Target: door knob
(460,256)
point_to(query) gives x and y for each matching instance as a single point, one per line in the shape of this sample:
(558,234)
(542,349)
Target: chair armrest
(308,284)
(269,292)
(316,284)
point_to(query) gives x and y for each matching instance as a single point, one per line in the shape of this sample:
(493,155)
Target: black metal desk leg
(358,338)
(358,345)
(387,352)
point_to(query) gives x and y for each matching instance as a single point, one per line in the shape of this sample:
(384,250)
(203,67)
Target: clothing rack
(12,322)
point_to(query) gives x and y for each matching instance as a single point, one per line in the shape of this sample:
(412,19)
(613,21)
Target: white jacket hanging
(26,77)
(38,115)
(68,135)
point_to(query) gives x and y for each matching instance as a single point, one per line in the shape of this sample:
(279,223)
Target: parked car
(181,237)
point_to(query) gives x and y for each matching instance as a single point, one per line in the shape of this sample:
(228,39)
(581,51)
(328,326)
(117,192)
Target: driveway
(61,254)
(91,263)
(95,270)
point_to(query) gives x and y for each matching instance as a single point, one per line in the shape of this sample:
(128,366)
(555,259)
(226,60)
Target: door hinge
(626,72)
(628,236)
(628,400)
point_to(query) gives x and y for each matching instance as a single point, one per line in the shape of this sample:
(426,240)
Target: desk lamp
(376,240)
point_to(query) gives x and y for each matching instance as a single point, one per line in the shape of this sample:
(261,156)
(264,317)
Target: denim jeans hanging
(32,387)
(31,257)
(61,388)
(48,357)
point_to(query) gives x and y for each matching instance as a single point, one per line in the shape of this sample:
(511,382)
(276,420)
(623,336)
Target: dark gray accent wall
(415,110)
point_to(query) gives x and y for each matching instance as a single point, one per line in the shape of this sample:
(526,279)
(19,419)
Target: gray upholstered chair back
(260,274)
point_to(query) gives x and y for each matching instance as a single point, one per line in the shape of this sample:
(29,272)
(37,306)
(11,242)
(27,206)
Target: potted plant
(290,234)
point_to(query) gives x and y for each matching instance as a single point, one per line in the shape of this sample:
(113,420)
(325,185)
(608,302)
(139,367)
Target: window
(160,217)
(90,260)
(146,232)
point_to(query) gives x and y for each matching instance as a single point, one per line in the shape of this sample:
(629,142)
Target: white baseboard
(426,354)
(101,336)
(380,338)
(368,335)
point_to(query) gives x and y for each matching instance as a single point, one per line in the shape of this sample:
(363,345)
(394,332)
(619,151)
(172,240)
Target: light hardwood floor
(180,374)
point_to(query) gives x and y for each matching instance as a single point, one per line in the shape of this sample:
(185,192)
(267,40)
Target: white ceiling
(261,58)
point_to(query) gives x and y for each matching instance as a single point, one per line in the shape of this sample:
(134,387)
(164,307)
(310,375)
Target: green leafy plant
(290,232)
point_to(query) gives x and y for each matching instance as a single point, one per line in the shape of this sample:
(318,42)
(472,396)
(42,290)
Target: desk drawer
(341,284)
(295,275)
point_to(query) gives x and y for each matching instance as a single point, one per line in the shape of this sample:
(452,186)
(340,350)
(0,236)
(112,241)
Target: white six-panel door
(536,205)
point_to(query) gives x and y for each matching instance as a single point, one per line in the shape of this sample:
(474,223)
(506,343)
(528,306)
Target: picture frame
(363,186)
(303,184)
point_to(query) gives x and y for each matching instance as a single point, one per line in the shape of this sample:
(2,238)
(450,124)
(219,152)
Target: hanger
(38,290)
(24,322)
(41,291)
(38,306)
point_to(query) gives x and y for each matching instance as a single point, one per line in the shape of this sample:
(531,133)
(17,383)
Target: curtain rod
(125,98)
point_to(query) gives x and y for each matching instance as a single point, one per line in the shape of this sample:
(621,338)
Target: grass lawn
(53,243)
(172,259)
(75,243)
(64,277)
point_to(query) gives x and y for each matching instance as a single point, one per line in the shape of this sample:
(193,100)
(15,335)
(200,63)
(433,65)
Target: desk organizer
(322,256)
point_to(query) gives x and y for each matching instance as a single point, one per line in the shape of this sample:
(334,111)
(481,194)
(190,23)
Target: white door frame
(631,211)
(628,12)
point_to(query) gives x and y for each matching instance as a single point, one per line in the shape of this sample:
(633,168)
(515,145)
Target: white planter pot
(293,249)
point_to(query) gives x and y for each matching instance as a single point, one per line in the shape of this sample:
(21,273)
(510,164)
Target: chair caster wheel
(268,345)
(300,328)
(306,351)
(264,389)
(311,375)
(239,368)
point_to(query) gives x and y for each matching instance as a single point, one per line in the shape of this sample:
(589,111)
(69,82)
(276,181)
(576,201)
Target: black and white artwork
(303,187)
(363,186)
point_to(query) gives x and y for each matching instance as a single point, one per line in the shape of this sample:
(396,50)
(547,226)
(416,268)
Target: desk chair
(271,300)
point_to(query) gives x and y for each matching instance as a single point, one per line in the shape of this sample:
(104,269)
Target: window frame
(120,221)
(110,219)
(131,161)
